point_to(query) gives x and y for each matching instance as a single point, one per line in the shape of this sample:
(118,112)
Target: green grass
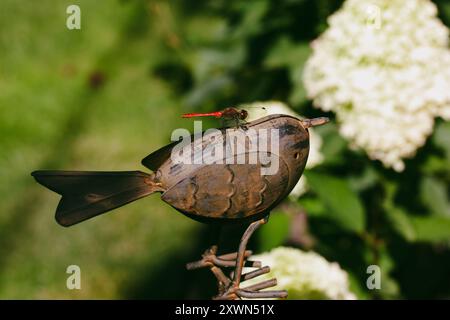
(51,118)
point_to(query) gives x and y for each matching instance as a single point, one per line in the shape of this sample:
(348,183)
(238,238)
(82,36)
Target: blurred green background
(105,96)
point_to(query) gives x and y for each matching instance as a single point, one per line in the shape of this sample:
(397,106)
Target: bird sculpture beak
(308,123)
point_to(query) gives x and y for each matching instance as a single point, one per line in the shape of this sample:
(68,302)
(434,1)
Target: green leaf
(367,179)
(285,53)
(357,286)
(210,63)
(433,193)
(273,234)
(434,164)
(440,137)
(343,204)
(397,217)
(204,93)
(253,13)
(431,229)
(333,143)
(313,206)
(389,286)
(298,94)
(444,9)
(204,30)
(401,223)
(415,228)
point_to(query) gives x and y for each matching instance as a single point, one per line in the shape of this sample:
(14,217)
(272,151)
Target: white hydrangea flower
(257,110)
(305,275)
(386,83)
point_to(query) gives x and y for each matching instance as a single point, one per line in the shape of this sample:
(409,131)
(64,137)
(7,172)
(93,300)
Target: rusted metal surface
(233,191)
(229,288)
(205,192)
(225,191)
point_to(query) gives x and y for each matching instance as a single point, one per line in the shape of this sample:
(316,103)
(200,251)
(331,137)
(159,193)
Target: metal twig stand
(229,287)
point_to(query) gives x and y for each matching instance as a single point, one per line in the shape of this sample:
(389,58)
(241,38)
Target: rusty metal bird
(224,191)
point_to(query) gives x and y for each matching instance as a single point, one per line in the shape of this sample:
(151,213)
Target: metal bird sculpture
(224,191)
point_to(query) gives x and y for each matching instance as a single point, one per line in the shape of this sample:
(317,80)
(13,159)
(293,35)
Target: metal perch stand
(229,287)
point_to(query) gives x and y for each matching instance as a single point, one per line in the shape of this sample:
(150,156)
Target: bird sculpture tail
(86,194)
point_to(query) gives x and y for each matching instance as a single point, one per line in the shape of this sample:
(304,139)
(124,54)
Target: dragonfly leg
(236,122)
(241,124)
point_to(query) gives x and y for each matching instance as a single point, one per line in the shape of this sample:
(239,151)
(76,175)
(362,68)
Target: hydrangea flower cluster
(383,66)
(305,275)
(260,109)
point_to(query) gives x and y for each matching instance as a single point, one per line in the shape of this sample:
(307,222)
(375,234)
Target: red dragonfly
(240,115)
(237,115)
(227,113)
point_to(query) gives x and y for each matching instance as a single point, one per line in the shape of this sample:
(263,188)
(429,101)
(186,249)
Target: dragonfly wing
(259,110)
(254,111)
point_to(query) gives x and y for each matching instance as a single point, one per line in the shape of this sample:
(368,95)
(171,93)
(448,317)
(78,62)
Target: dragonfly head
(243,114)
